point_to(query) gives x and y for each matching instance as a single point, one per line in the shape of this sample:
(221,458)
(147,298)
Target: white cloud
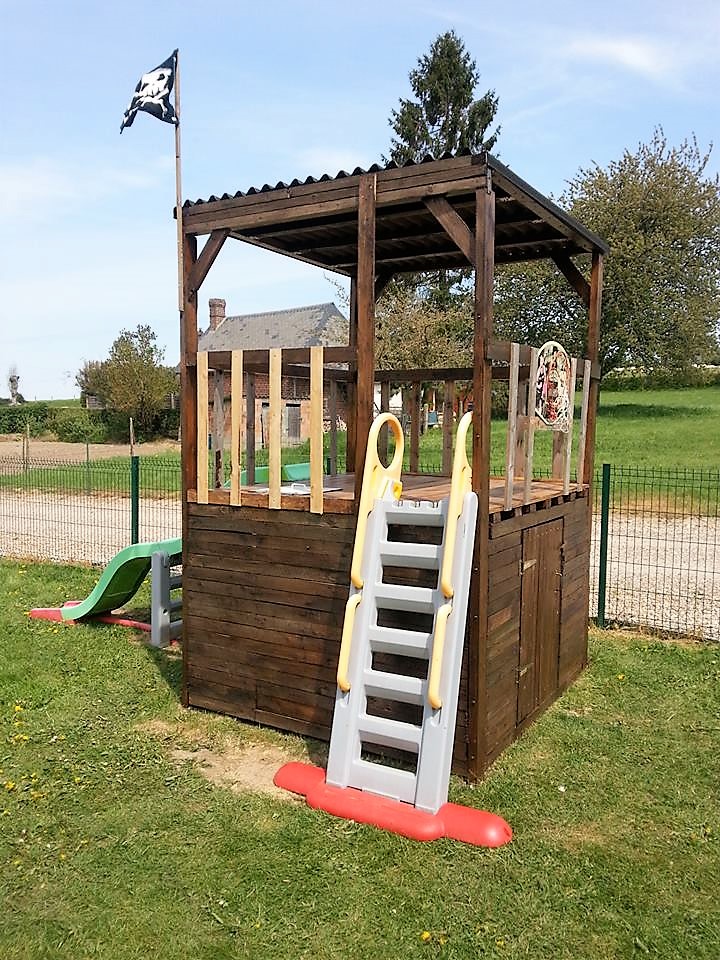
(638,54)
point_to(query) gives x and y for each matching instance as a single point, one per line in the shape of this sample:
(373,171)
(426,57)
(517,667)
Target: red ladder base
(478,827)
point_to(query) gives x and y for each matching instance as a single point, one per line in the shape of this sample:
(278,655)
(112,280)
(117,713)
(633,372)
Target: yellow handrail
(460,484)
(344,661)
(437,656)
(376,480)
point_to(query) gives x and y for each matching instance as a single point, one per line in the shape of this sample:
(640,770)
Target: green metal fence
(655,558)
(85,511)
(656,550)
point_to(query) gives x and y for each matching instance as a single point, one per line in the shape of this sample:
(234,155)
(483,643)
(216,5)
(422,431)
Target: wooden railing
(242,368)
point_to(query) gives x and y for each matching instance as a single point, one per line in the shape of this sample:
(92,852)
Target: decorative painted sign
(552,387)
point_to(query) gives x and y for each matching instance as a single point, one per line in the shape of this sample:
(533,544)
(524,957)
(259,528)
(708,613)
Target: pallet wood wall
(264,602)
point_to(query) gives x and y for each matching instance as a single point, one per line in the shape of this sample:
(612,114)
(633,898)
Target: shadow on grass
(168,662)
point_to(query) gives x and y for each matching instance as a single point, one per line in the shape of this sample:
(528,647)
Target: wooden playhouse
(266,568)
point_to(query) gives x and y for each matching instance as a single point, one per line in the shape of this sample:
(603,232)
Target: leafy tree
(412,332)
(660,213)
(133,380)
(445,116)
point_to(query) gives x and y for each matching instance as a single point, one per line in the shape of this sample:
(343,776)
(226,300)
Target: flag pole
(178,188)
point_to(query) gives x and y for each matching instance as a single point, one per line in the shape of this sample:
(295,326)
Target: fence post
(604,526)
(134,499)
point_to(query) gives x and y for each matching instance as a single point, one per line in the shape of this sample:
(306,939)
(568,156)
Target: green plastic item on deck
(121,578)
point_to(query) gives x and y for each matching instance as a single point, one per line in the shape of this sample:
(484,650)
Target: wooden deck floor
(339,493)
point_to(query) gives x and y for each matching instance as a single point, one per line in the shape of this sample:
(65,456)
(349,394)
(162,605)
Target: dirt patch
(249,768)
(11,446)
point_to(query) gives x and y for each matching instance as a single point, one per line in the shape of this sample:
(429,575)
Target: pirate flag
(152,94)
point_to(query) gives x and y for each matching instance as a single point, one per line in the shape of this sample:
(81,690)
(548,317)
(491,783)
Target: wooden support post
(415,415)
(218,428)
(201,481)
(188,382)
(521,433)
(250,429)
(482,383)
(447,428)
(530,430)
(316,429)
(511,444)
(365,323)
(275,430)
(569,435)
(593,352)
(384,408)
(332,412)
(587,365)
(351,408)
(236,389)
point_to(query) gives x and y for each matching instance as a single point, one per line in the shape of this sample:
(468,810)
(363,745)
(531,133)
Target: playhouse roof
(317,220)
(320,324)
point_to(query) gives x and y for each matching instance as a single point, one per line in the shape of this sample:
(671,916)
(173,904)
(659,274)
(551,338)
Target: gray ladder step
(421,513)
(176,582)
(391,596)
(389,781)
(393,686)
(404,643)
(425,556)
(175,605)
(389,733)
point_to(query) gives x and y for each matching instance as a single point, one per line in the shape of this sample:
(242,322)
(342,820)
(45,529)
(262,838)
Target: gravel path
(662,572)
(79,529)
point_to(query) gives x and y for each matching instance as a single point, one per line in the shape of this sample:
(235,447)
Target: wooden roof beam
(200,268)
(454,225)
(573,276)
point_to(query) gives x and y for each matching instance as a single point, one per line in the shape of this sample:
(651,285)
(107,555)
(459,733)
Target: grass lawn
(111,848)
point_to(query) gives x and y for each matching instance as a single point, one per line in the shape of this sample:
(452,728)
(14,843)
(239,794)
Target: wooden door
(539,615)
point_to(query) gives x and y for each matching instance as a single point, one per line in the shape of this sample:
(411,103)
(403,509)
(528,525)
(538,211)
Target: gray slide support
(163,628)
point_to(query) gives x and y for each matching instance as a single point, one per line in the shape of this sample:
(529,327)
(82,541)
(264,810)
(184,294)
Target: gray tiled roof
(321,324)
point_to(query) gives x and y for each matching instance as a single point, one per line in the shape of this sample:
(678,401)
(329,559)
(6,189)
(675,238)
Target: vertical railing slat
(275,430)
(447,428)
(236,385)
(316,429)
(530,429)
(583,425)
(333,427)
(218,427)
(415,428)
(569,435)
(202,427)
(250,429)
(511,444)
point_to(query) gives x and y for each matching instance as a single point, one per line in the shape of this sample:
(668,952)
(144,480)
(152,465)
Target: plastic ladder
(430,741)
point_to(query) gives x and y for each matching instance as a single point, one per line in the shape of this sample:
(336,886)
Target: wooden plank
(365,322)
(549,610)
(424,375)
(332,413)
(250,428)
(415,415)
(188,407)
(480,621)
(569,435)
(593,349)
(201,478)
(511,440)
(351,408)
(530,426)
(275,429)
(583,425)
(236,388)
(573,276)
(199,270)
(316,430)
(218,428)
(448,425)
(384,408)
(454,225)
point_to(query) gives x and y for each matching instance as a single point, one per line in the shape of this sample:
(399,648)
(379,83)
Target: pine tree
(444,116)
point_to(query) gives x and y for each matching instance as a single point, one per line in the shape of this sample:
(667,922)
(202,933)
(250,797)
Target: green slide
(121,578)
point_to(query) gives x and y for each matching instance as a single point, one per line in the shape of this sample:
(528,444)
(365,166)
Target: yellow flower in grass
(18,708)
(425,936)
(9,785)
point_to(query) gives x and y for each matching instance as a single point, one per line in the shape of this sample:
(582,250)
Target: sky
(272,91)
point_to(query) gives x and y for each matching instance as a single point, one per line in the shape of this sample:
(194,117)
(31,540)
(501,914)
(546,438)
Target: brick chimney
(217,313)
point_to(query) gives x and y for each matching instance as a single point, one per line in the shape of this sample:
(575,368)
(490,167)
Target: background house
(320,324)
